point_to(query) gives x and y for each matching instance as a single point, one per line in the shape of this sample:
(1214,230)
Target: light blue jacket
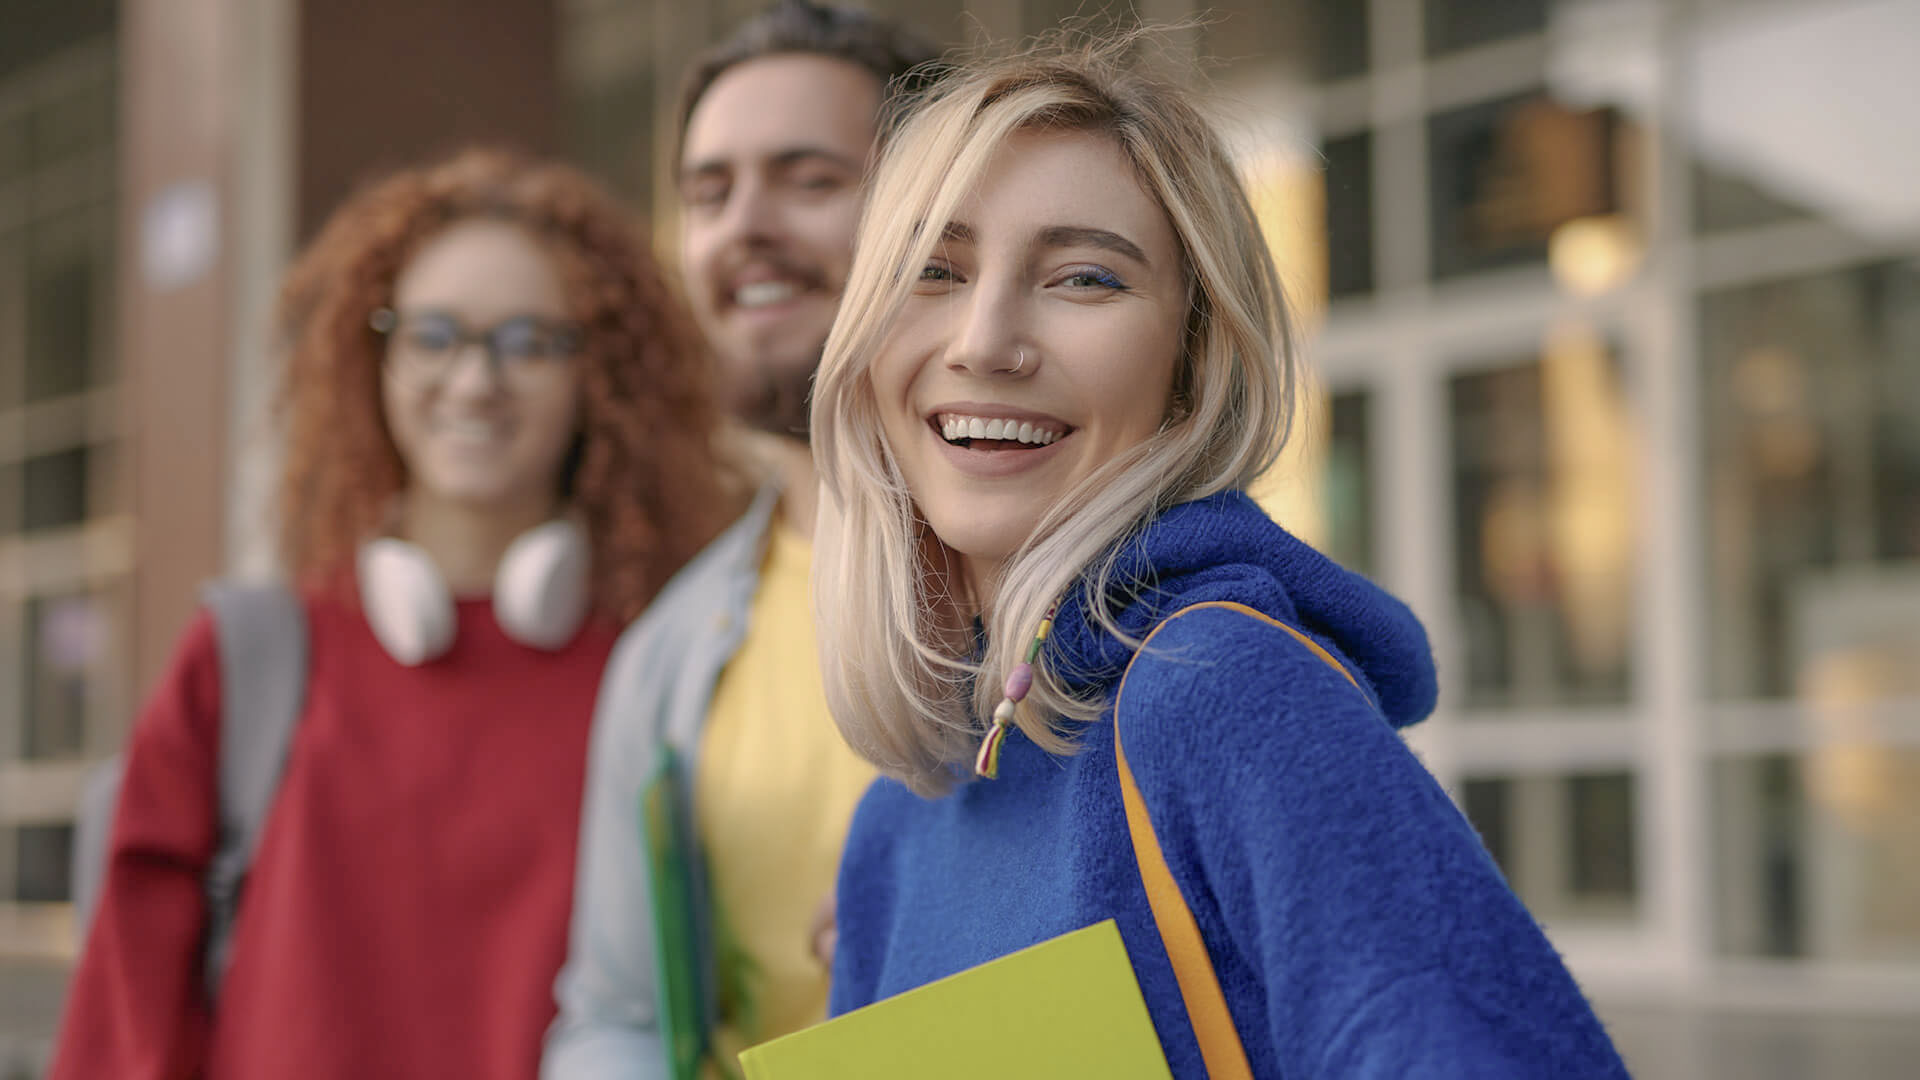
(659,683)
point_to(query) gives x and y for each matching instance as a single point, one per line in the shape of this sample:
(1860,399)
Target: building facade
(1614,314)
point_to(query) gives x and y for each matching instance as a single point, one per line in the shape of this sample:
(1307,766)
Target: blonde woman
(1062,356)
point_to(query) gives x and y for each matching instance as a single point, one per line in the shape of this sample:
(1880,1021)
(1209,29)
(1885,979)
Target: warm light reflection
(1866,794)
(1591,451)
(1288,196)
(1592,256)
(1294,491)
(1769,381)
(1852,775)
(1514,556)
(1771,385)
(1787,447)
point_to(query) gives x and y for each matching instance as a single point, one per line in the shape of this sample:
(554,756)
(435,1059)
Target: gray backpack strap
(92,834)
(262,634)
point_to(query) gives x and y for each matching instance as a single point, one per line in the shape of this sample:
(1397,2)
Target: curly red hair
(643,473)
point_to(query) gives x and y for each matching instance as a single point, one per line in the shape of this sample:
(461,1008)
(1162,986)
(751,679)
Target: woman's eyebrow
(1060,236)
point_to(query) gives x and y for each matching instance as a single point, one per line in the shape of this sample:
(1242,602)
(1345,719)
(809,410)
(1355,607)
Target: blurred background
(1614,310)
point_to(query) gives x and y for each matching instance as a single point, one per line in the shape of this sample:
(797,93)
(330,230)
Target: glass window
(15,146)
(1489,806)
(73,124)
(1814,853)
(1337,30)
(1544,527)
(1325,40)
(1350,482)
(1504,174)
(1453,25)
(56,489)
(13,317)
(1321,488)
(67,652)
(1564,841)
(66,292)
(10,482)
(43,860)
(1758,808)
(50,26)
(1600,826)
(1812,400)
(1349,208)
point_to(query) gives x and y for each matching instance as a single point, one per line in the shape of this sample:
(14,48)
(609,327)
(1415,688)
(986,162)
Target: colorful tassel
(986,763)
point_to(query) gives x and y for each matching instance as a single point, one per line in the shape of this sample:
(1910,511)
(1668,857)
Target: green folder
(680,958)
(1065,1007)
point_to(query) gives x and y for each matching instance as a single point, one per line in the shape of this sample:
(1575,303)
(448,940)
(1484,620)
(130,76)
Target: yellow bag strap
(1206,1006)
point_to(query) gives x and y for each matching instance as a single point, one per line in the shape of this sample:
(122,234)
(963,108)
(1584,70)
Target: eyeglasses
(423,346)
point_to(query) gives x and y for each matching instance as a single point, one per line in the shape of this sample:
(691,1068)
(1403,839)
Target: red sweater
(407,909)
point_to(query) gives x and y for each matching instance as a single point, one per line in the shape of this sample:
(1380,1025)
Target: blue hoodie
(1357,926)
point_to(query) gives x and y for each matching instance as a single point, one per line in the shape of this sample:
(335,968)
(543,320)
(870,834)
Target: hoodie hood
(1225,548)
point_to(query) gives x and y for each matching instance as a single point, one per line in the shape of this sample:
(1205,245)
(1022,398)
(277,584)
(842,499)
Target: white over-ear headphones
(540,593)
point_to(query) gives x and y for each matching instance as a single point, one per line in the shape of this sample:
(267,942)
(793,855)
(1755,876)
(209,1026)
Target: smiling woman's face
(1039,343)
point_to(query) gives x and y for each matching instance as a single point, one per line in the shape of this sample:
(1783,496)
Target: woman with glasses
(498,450)
(1101,682)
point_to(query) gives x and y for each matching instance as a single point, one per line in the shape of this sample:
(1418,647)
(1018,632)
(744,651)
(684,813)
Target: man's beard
(775,401)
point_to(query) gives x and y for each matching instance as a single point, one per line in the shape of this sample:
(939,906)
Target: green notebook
(681,965)
(1065,1007)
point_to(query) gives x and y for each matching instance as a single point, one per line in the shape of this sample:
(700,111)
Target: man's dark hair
(896,56)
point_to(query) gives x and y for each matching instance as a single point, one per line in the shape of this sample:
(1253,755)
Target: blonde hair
(894,643)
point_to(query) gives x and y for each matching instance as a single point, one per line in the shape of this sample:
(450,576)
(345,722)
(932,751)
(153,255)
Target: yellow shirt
(773,792)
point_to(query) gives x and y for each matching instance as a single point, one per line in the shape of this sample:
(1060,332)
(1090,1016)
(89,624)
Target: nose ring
(1022,353)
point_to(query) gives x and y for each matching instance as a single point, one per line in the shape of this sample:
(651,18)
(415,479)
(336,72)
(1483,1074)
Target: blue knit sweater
(1357,925)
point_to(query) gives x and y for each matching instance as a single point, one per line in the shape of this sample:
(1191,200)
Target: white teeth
(974,427)
(763,293)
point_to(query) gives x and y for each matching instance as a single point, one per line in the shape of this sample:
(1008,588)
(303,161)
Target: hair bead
(1019,681)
